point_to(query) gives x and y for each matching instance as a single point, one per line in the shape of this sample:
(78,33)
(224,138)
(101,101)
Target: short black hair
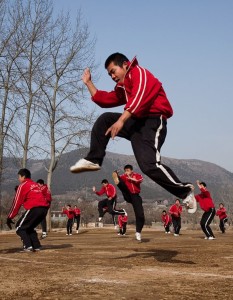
(40,181)
(68,205)
(104,181)
(164,211)
(24,172)
(128,167)
(117,58)
(177,200)
(203,183)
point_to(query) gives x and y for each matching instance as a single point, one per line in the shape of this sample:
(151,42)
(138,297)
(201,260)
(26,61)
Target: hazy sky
(188,46)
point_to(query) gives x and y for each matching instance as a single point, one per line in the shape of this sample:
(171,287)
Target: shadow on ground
(161,255)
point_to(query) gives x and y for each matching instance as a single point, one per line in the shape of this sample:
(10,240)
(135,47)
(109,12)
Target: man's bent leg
(99,141)
(148,139)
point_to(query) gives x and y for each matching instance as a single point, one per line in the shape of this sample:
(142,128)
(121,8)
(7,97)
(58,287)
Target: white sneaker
(100,219)
(76,231)
(138,236)
(37,249)
(29,249)
(44,235)
(206,238)
(175,234)
(191,202)
(84,165)
(190,185)
(211,238)
(169,231)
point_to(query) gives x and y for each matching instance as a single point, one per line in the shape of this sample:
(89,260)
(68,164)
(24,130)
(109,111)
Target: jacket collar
(131,64)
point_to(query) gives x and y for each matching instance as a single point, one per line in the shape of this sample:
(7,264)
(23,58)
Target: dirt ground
(99,264)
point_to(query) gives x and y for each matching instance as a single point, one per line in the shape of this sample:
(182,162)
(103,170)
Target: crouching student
(122,222)
(206,204)
(30,196)
(221,212)
(167,221)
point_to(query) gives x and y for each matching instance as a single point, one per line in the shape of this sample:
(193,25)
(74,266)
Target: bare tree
(32,37)
(66,116)
(9,52)
(41,88)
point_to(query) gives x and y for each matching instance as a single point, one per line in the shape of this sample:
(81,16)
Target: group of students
(206,204)
(73,216)
(129,185)
(144,123)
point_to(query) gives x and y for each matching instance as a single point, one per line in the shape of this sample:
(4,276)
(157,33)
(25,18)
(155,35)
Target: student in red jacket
(110,202)
(47,194)
(206,203)
(122,222)
(30,196)
(221,212)
(143,122)
(175,211)
(167,221)
(129,184)
(77,215)
(70,218)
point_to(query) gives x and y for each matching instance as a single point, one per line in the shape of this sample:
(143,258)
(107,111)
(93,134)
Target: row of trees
(42,57)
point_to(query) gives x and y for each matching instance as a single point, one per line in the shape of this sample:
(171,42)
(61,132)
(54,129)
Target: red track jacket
(221,212)
(46,192)
(69,213)
(122,219)
(77,211)
(28,195)
(142,94)
(133,186)
(166,219)
(109,190)
(175,210)
(205,200)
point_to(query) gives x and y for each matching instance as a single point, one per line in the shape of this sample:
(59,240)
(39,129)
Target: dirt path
(98,264)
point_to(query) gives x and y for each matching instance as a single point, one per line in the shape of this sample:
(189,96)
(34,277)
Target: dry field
(98,264)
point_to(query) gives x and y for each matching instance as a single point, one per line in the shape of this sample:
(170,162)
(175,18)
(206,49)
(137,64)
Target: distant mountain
(218,180)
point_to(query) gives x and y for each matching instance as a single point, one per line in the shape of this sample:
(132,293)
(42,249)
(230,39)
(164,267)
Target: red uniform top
(122,219)
(205,200)
(46,192)
(69,213)
(109,190)
(142,94)
(221,212)
(77,211)
(132,185)
(175,210)
(28,195)
(166,219)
